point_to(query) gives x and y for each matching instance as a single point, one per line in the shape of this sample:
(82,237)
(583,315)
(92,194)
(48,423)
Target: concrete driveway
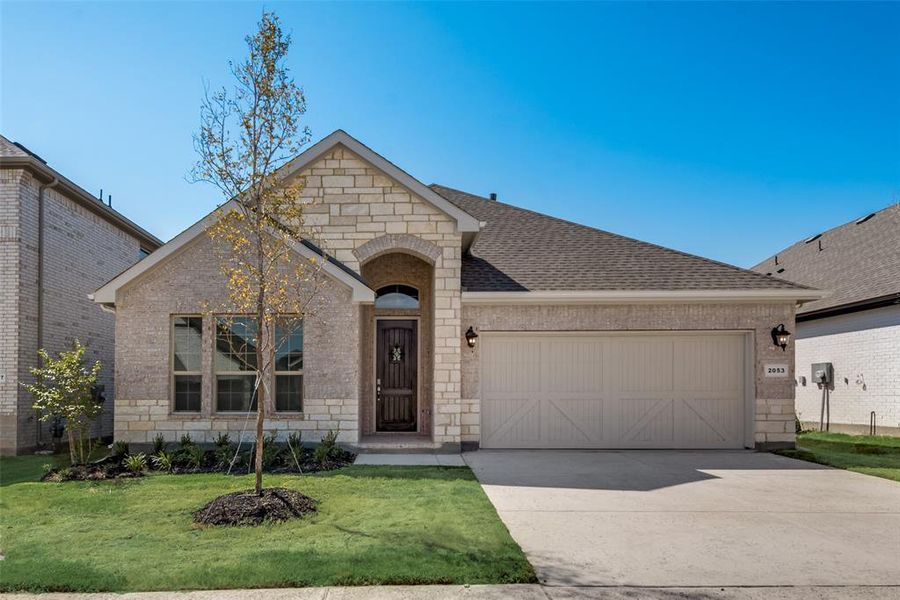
(676,518)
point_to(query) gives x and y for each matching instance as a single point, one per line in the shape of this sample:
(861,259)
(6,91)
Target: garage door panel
(613,391)
(641,364)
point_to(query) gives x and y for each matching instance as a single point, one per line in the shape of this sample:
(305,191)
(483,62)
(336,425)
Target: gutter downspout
(40,285)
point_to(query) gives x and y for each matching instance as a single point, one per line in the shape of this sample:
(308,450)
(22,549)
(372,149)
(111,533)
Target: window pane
(397,296)
(289,346)
(233,393)
(188,333)
(235,344)
(289,393)
(187,393)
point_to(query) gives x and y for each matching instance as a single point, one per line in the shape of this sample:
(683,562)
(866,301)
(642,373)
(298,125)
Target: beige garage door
(572,390)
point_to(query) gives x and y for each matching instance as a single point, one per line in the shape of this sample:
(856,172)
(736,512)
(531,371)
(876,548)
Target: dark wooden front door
(396,375)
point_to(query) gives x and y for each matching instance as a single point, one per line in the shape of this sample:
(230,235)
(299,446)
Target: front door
(396,375)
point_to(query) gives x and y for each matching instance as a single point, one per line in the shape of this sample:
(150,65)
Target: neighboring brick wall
(9,308)
(864,348)
(774,397)
(82,251)
(191,283)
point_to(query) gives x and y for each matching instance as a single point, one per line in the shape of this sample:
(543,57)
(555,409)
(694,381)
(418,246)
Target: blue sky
(726,130)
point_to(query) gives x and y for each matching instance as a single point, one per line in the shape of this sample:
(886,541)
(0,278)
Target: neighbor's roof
(520,250)
(858,261)
(16,156)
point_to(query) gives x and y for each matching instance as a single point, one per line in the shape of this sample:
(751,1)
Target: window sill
(231,416)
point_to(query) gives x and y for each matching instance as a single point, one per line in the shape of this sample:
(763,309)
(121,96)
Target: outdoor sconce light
(780,336)
(471,337)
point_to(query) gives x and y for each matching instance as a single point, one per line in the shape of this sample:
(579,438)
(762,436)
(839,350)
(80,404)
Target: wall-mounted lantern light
(780,336)
(471,337)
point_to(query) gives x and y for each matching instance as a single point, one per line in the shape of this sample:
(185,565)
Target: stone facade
(82,250)
(774,398)
(864,348)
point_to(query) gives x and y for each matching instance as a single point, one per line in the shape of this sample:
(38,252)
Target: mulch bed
(246,508)
(96,471)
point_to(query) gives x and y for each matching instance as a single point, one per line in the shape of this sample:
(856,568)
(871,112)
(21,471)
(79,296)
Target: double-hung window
(289,365)
(187,378)
(235,364)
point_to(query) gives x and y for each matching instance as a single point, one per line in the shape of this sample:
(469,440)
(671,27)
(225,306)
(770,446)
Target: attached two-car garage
(614,390)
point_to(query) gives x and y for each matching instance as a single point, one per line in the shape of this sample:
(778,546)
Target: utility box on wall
(823,373)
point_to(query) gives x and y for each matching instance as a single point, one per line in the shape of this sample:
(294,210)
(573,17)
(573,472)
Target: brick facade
(774,398)
(82,251)
(864,348)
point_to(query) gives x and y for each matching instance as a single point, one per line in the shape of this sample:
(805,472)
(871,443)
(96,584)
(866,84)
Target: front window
(289,366)
(187,378)
(235,364)
(397,296)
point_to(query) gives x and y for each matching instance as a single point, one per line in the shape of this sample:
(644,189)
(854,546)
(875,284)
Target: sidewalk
(497,592)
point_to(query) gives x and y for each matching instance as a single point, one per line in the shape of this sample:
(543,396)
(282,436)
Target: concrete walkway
(498,592)
(411,460)
(696,519)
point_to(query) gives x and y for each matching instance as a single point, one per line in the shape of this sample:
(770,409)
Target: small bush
(194,456)
(223,441)
(295,447)
(271,451)
(224,456)
(328,448)
(186,441)
(159,444)
(136,462)
(163,461)
(119,449)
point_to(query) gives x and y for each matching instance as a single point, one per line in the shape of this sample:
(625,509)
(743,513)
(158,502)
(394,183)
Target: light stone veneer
(352,204)
(774,398)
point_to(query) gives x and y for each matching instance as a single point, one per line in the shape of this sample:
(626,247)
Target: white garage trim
(617,389)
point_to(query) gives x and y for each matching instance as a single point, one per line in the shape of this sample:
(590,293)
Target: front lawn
(872,455)
(375,525)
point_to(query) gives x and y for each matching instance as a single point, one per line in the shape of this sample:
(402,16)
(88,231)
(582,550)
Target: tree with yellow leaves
(246,134)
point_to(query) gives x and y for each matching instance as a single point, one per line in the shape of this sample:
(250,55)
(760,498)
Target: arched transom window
(397,296)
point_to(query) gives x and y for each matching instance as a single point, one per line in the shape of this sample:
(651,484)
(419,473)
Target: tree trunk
(261,345)
(71,436)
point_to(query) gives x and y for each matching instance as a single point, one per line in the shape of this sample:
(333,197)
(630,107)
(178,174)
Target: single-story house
(856,329)
(585,339)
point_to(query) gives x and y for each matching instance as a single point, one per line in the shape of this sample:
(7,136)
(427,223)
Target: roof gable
(465,222)
(337,270)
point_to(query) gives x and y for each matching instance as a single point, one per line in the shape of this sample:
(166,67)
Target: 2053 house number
(776,370)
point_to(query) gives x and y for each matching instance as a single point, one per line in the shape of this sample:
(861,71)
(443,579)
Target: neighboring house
(856,327)
(57,244)
(585,339)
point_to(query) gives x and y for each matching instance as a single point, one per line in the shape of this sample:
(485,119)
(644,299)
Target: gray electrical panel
(823,373)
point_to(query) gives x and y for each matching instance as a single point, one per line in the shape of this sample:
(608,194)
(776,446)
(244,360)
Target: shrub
(163,461)
(328,448)
(225,455)
(295,447)
(119,449)
(271,451)
(159,444)
(136,462)
(223,441)
(186,441)
(194,456)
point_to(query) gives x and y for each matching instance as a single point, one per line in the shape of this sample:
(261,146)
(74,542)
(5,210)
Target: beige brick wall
(190,283)
(82,251)
(774,398)
(352,203)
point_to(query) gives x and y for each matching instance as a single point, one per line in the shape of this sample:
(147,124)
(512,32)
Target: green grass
(375,525)
(872,455)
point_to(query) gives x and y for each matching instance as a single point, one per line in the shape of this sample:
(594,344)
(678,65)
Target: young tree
(245,135)
(63,388)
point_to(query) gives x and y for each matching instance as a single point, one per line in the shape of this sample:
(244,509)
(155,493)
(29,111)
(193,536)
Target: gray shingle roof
(521,250)
(858,261)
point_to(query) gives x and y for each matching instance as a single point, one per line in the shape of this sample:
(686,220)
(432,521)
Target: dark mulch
(107,468)
(246,508)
